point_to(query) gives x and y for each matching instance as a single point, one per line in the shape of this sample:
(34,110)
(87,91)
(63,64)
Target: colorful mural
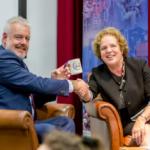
(130,16)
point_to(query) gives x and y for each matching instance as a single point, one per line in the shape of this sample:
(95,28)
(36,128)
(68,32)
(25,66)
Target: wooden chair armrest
(53,109)
(15,119)
(107,112)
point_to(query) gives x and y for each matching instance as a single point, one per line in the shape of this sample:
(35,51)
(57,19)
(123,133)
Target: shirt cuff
(70,86)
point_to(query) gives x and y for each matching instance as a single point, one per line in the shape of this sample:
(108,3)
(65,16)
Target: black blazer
(136,91)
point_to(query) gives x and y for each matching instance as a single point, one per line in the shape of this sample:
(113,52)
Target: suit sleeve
(14,75)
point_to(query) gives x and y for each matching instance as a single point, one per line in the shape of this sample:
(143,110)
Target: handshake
(81,88)
(73,67)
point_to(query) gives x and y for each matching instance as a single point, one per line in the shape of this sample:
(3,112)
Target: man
(18,86)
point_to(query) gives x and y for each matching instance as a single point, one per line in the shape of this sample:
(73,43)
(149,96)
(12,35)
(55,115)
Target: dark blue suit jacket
(17,83)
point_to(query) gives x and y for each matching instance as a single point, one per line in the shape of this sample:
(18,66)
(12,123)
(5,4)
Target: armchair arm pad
(15,119)
(107,112)
(53,109)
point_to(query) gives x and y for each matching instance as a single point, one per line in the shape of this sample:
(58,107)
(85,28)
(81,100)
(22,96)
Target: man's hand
(61,73)
(81,88)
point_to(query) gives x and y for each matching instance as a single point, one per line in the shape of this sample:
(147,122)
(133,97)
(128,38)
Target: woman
(124,82)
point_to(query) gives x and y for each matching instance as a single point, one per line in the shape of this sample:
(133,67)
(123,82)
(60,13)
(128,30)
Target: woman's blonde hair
(114,32)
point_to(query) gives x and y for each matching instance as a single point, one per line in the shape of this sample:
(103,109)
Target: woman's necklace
(121,79)
(121,82)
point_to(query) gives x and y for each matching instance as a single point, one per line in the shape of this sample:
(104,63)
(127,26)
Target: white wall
(8,8)
(42,15)
(42,53)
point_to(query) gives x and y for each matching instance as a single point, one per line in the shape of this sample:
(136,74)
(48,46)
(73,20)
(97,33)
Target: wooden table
(133,148)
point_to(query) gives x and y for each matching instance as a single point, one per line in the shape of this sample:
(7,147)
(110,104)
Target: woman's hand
(138,131)
(81,88)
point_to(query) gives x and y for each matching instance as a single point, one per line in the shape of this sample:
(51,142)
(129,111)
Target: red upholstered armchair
(106,125)
(17,128)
